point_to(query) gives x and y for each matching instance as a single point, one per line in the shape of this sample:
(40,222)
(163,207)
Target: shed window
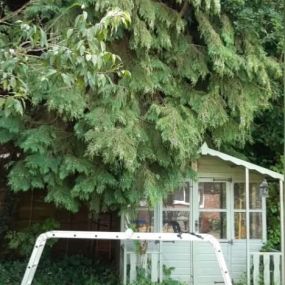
(145,218)
(214,195)
(255,220)
(176,210)
(255,211)
(214,223)
(213,209)
(254,196)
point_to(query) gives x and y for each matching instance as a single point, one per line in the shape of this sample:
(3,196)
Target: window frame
(261,210)
(186,206)
(217,210)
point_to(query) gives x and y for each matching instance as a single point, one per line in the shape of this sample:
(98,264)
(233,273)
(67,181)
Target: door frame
(226,242)
(196,210)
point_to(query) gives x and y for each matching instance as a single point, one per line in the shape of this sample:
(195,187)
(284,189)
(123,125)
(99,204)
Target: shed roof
(205,150)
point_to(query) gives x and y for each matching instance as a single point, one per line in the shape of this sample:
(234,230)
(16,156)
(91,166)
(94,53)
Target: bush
(72,270)
(144,279)
(22,242)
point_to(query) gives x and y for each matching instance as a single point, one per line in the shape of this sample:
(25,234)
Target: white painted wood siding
(178,255)
(209,166)
(206,270)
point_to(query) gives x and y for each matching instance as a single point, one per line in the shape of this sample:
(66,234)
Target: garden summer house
(227,200)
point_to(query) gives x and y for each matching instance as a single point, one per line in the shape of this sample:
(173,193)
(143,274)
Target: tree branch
(15,13)
(184,9)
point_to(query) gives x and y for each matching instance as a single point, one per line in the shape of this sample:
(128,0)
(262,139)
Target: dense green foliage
(265,18)
(273,220)
(76,123)
(266,145)
(144,279)
(22,242)
(72,270)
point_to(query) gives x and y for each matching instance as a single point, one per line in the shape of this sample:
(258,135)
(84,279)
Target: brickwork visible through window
(213,209)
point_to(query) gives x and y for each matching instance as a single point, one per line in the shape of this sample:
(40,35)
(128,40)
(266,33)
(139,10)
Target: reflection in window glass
(145,220)
(240,225)
(239,196)
(255,204)
(214,223)
(212,195)
(175,221)
(179,198)
(255,220)
(254,196)
(176,210)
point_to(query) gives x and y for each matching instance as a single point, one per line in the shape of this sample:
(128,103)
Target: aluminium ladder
(127,235)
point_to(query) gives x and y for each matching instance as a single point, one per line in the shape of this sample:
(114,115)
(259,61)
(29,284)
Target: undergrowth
(73,270)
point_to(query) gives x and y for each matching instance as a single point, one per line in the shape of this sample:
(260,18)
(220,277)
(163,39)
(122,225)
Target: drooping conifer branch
(106,112)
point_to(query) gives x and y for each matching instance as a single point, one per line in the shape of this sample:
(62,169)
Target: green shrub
(144,279)
(22,242)
(72,270)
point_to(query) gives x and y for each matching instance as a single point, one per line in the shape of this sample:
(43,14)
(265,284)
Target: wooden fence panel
(265,267)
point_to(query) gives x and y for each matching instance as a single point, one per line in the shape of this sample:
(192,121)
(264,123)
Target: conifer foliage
(106,102)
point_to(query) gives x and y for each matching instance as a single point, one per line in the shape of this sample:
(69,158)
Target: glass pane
(255,225)
(239,196)
(240,225)
(145,220)
(176,221)
(255,220)
(214,223)
(212,195)
(178,199)
(254,197)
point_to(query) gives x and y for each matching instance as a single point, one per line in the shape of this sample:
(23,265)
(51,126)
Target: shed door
(211,216)
(177,216)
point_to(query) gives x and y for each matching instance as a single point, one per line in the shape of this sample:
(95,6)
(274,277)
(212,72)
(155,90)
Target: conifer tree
(107,102)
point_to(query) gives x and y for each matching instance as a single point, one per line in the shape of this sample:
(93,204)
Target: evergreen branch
(62,14)
(167,7)
(184,9)
(181,12)
(140,130)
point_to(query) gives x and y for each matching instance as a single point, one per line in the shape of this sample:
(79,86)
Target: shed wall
(178,255)
(209,166)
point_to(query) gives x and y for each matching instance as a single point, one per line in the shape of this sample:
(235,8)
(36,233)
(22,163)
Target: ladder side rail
(127,235)
(34,259)
(220,257)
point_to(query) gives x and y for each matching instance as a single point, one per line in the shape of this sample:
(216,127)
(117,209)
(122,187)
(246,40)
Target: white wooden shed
(224,201)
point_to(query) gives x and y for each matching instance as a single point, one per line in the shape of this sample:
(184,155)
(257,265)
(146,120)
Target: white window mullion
(264,225)
(229,211)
